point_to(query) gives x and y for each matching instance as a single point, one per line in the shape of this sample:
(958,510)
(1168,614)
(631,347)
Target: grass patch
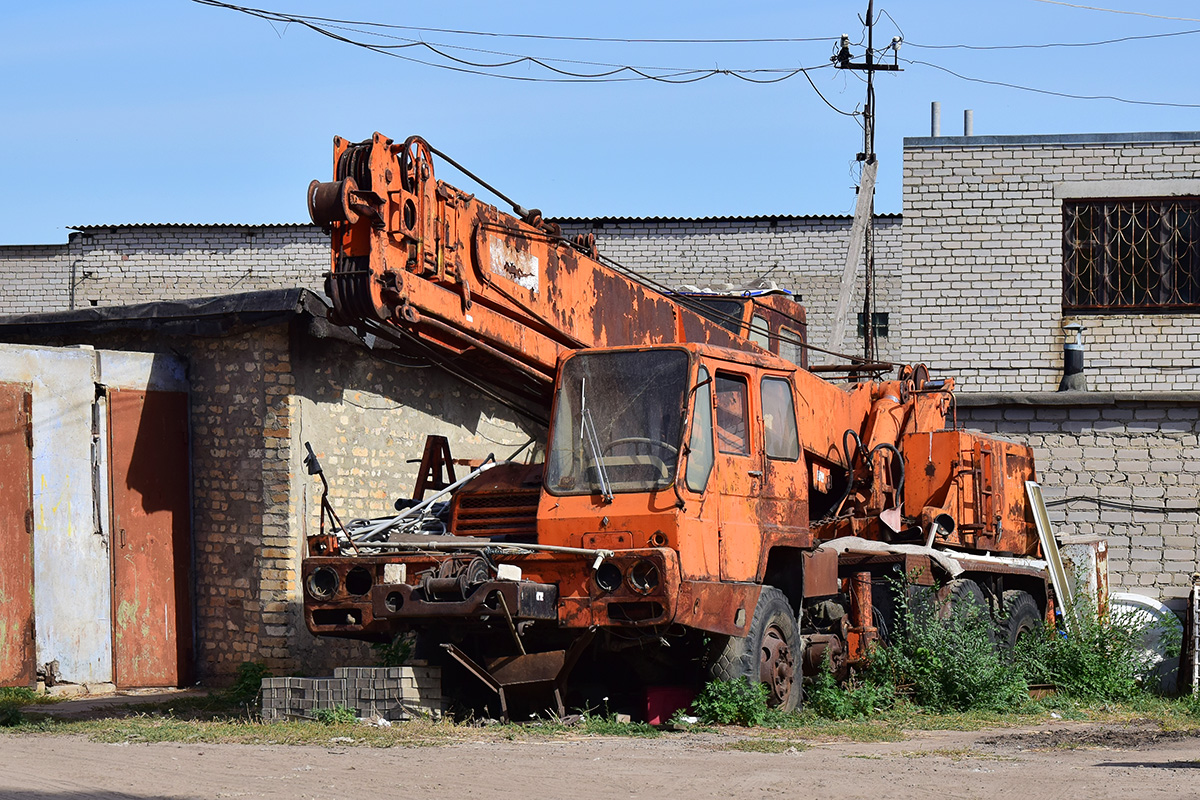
(957,754)
(24,696)
(777,733)
(154,729)
(609,726)
(766,746)
(12,698)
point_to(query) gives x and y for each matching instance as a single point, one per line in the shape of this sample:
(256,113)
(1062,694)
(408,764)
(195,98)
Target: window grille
(1131,255)
(879,324)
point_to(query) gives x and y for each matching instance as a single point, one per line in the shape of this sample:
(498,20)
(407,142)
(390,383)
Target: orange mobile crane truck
(705,508)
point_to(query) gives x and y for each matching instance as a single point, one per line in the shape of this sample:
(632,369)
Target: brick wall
(141,263)
(35,278)
(982,259)
(1123,468)
(804,254)
(243,515)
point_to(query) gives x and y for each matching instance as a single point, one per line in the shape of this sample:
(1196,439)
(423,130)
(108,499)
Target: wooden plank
(858,235)
(1058,574)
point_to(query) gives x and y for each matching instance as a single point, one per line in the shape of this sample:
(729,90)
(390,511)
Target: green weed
(247,684)
(338,715)
(1102,658)
(858,697)
(737,702)
(766,746)
(947,664)
(397,652)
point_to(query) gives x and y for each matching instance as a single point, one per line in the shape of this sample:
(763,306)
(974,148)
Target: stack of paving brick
(391,693)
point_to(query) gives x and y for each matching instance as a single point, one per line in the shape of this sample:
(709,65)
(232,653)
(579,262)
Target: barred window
(1138,254)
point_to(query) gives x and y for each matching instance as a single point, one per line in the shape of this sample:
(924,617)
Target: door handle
(122,537)
(755,473)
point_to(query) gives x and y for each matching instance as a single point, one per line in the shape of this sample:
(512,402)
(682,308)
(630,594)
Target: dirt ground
(1046,762)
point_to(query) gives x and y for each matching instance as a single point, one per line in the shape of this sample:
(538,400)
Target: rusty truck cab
(683,460)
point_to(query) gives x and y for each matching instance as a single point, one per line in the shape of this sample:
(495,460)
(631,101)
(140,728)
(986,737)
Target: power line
(1116,11)
(1050,92)
(613,74)
(518,58)
(495,34)
(1047,44)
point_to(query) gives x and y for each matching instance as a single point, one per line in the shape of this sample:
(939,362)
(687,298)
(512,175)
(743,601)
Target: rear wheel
(1021,616)
(770,653)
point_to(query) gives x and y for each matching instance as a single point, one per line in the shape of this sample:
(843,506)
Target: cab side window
(760,331)
(700,447)
(789,345)
(733,414)
(779,420)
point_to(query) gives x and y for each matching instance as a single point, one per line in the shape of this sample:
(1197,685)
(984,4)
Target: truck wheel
(1021,616)
(770,653)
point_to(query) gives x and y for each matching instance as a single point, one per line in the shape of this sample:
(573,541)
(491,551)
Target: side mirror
(310,461)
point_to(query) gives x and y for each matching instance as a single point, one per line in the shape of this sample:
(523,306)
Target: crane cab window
(760,332)
(733,414)
(700,447)
(789,345)
(779,420)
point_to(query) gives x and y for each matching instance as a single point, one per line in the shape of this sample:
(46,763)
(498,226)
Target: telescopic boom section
(416,254)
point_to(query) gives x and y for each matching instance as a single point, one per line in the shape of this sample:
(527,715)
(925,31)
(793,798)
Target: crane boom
(414,253)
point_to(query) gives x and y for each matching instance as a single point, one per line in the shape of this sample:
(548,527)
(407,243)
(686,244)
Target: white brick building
(1006,240)
(983,244)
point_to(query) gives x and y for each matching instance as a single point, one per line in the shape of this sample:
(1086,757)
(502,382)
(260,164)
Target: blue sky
(171,111)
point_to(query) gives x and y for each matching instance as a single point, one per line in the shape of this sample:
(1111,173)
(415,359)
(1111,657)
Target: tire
(769,653)
(962,599)
(1021,616)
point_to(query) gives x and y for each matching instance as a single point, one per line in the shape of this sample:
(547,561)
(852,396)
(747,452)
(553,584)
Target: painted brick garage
(265,373)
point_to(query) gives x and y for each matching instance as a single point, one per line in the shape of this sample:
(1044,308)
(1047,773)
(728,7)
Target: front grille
(494,514)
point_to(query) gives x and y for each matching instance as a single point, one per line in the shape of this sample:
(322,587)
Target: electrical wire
(1116,11)
(614,74)
(1116,504)
(1046,45)
(496,34)
(517,58)
(1050,92)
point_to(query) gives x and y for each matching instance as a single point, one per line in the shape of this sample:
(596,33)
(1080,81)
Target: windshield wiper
(587,429)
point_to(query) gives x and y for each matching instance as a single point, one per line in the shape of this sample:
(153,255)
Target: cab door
(784,501)
(739,472)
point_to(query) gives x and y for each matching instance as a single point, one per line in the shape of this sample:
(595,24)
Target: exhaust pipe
(1074,380)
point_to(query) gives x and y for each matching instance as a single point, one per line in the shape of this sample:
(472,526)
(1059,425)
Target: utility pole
(843,60)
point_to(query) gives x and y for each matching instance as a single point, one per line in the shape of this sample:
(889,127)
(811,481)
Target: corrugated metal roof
(560,220)
(750,218)
(197,316)
(191,225)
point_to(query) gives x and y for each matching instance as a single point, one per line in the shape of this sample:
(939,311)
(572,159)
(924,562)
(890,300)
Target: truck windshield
(618,420)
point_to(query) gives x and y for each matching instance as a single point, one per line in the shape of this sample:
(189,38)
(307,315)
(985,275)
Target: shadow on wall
(367,402)
(317,656)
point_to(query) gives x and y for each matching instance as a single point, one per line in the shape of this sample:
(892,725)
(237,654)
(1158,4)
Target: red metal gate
(17,653)
(151,538)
